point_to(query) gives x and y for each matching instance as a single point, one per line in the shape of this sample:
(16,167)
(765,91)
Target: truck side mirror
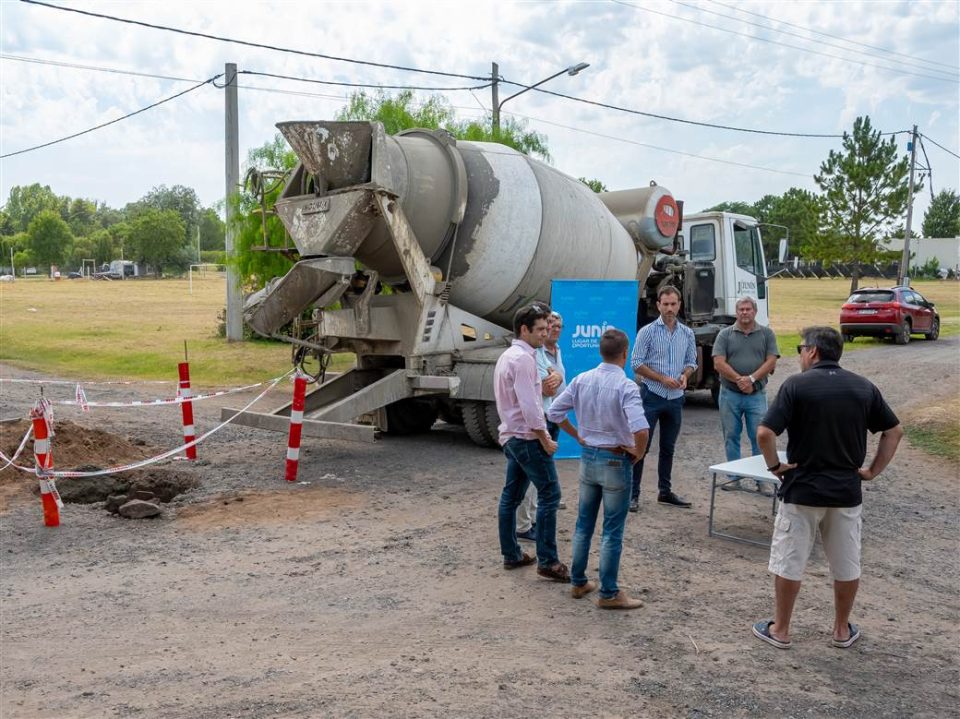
(784,250)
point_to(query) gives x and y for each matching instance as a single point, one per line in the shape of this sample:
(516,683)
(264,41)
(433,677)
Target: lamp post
(497,104)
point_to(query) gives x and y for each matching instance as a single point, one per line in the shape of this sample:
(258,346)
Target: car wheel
(934,332)
(847,337)
(903,336)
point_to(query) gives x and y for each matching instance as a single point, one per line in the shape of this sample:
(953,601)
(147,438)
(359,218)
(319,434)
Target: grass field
(136,329)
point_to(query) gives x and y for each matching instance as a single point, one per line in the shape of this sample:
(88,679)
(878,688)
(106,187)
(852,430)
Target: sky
(797,67)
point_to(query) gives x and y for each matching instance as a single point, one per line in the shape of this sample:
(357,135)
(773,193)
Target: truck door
(750,270)
(702,241)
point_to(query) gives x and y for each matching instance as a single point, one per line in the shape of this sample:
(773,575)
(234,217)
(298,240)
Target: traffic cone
(43,454)
(189,433)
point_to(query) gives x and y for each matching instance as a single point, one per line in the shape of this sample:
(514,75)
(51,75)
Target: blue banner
(589,308)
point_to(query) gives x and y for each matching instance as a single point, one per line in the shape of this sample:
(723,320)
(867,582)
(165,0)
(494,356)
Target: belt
(615,450)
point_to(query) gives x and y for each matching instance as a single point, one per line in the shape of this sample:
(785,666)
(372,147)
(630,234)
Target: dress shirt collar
(524,346)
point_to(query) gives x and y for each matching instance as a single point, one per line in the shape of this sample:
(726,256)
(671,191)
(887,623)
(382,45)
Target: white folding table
(748,468)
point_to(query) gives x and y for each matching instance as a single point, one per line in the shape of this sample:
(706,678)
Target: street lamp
(572,70)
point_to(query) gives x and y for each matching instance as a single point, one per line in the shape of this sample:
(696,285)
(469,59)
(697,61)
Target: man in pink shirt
(527,446)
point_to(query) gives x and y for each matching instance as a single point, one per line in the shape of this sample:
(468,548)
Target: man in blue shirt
(613,431)
(665,355)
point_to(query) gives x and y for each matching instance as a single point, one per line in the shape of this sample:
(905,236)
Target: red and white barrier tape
(72,382)
(159,457)
(23,443)
(82,401)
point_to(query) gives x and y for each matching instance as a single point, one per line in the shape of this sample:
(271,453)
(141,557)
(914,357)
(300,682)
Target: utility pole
(232,168)
(903,275)
(495,91)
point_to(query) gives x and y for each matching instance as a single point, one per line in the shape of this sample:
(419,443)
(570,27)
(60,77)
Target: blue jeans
(736,410)
(669,414)
(528,462)
(604,477)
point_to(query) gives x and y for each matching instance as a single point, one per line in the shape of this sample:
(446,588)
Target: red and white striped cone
(43,454)
(296,426)
(189,433)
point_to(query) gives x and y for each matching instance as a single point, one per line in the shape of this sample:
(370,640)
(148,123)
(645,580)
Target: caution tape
(84,404)
(73,382)
(159,457)
(23,443)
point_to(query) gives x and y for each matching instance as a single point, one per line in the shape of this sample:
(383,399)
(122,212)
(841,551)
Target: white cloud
(637,59)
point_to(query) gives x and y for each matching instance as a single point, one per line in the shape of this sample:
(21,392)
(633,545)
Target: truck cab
(732,244)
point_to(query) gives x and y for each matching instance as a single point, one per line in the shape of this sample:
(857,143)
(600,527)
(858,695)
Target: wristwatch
(752,380)
(775,467)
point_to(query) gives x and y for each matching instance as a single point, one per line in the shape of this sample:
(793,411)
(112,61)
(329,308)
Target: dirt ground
(374,587)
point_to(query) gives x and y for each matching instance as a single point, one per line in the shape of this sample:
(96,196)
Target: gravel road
(373,587)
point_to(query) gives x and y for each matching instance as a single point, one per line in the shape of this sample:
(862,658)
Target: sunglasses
(800,348)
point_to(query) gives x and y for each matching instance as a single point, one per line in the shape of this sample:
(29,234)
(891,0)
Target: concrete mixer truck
(416,249)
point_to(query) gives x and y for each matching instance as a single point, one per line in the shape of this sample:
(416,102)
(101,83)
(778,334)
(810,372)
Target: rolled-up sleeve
(690,360)
(633,409)
(563,403)
(641,350)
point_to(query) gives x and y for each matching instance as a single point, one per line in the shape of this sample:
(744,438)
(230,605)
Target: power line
(211,80)
(247,43)
(949,152)
(657,147)
(95,68)
(763,39)
(798,35)
(358,84)
(835,37)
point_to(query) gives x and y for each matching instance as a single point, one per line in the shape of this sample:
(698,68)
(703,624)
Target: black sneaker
(530,535)
(674,500)
(634,505)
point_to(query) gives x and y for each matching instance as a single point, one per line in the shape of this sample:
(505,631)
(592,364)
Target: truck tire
(475,422)
(451,412)
(903,336)
(410,416)
(493,422)
(715,394)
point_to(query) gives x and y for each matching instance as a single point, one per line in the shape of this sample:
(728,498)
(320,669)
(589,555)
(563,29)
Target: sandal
(761,630)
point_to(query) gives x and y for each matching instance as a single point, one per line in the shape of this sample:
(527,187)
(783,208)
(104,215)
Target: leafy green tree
(212,230)
(736,206)
(156,238)
(104,246)
(81,216)
(182,200)
(403,112)
(26,202)
(594,185)
(942,218)
(865,191)
(801,212)
(49,238)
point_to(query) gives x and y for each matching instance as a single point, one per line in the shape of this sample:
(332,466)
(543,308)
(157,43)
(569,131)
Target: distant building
(922,249)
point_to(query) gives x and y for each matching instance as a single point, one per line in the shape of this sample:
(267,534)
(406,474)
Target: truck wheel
(451,412)
(934,332)
(411,416)
(493,422)
(475,422)
(715,393)
(903,336)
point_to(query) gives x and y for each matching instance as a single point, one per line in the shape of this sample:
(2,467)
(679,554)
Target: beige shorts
(795,530)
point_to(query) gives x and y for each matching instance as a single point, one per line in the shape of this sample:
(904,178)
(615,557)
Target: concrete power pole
(495,92)
(232,168)
(903,275)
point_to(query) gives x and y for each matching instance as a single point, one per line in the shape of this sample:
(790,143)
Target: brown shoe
(619,601)
(525,561)
(558,572)
(583,590)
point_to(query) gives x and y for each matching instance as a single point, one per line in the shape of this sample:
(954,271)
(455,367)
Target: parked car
(896,312)
(74,276)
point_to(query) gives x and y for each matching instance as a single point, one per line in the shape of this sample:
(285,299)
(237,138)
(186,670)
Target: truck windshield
(749,251)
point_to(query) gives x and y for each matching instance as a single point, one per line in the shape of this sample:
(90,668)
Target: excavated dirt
(373,586)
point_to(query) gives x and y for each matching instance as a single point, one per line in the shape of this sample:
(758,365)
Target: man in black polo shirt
(827,412)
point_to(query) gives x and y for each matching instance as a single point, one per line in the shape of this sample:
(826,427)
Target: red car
(896,312)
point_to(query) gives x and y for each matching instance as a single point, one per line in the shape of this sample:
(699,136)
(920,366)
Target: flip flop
(854,636)
(761,630)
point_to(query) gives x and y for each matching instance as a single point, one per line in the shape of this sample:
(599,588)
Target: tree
(594,185)
(942,218)
(182,200)
(156,237)
(81,216)
(26,202)
(737,207)
(212,230)
(402,112)
(801,212)
(49,238)
(865,191)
